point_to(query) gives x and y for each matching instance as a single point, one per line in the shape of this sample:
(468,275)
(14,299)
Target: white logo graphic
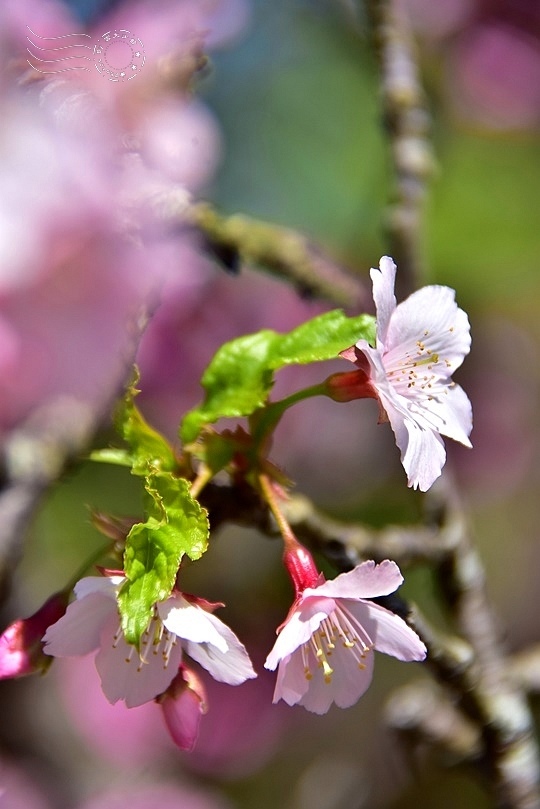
(118,55)
(59,54)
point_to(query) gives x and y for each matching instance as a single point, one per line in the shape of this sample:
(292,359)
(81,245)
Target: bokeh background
(293,99)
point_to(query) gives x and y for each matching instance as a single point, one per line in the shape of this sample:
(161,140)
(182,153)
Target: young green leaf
(176,525)
(237,382)
(147,447)
(321,338)
(240,376)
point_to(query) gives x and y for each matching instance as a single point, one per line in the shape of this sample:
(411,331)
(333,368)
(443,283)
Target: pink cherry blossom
(179,624)
(324,651)
(420,343)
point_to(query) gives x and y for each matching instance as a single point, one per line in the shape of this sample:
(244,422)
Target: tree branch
(283,252)
(407,124)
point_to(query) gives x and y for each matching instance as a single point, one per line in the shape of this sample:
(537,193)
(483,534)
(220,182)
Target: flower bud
(21,649)
(183,704)
(301,566)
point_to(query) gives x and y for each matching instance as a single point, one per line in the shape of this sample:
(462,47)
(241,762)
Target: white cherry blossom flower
(420,343)
(180,624)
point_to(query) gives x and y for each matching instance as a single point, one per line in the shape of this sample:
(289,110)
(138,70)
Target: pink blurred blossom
(17,790)
(438,20)
(81,250)
(494,76)
(242,729)
(161,796)
(128,737)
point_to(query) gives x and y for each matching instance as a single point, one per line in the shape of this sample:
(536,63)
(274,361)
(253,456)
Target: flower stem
(266,420)
(204,476)
(269,494)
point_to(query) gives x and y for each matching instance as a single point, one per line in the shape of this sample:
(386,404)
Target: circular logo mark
(119,55)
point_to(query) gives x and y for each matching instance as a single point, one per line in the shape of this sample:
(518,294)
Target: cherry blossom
(420,343)
(324,650)
(180,624)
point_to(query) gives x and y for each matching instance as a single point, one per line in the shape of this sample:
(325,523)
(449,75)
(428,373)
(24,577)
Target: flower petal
(299,627)
(383,294)
(432,317)
(389,632)
(453,414)
(367,580)
(424,455)
(106,585)
(123,674)
(78,632)
(192,623)
(291,681)
(231,665)
(346,685)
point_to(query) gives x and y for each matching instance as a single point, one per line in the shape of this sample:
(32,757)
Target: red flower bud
(21,649)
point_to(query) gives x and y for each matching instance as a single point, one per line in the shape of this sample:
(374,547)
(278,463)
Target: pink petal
(291,682)
(367,580)
(183,717)
(388,631)
(123,674)
(299,628)
(347,683)
(231,665)
(78,631)
(183,705)
(383,294)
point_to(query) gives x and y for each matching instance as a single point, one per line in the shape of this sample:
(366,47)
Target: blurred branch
(487,694)
(407,123)
(490,694)
(237,240)
(422,714)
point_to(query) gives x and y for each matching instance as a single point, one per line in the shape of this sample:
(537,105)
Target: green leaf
(148,448)
(322,338)
(120,457)
(176,525)
(241,374)
(237,382)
